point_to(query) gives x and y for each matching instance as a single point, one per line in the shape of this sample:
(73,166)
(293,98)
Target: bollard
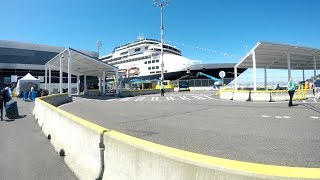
(249,98)
(271,100)
(232,96)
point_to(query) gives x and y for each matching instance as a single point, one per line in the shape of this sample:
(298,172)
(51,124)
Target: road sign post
(222,74)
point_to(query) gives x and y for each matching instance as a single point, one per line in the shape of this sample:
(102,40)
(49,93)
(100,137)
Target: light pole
(99,44)
(161,4)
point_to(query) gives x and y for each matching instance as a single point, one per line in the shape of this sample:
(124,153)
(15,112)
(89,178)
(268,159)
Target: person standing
(1,106)
(291,89)
(162,89)
(317,88)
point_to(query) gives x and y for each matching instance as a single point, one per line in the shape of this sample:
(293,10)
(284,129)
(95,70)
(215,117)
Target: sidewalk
(25,152)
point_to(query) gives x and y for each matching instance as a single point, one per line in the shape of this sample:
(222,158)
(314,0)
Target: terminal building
(17,59)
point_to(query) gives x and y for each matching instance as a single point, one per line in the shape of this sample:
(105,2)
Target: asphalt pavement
(259,132)
(25,151)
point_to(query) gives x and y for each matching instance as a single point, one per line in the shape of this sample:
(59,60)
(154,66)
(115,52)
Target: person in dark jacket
(1,106)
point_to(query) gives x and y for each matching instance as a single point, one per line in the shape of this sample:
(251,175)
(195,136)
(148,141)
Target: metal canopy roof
(81,64)
(274,56)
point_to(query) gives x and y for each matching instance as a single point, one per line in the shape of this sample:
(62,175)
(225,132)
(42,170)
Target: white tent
(25,84)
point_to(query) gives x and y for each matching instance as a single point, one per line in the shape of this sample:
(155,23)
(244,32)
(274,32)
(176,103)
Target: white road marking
(125,99)
(303,101)
(198,97)
(286,117)
(314,99)
(184,98)
(154,98)
(208,97)
(170,98)
(278,117)
(140,99)
(314,117)
(110,99)
(265,116)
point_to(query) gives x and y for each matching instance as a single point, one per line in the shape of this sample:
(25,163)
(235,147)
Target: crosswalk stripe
(184,98)
(208,97)
(125,99)
(154,98)
(140,99)
(314,99)
(198,97)
(170,98)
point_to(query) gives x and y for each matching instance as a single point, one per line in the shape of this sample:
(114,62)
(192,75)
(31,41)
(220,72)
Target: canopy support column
(314,68)
(303,75)
(265,79)
(69,72)
(78,84)
(49,79)
(235,78)
(254,66)
(60,76)
(45,77)
(85,84)
(289,66)
(117,82)
(100,87)
(104,82)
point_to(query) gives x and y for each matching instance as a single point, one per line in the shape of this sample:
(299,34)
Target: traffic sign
(222,74)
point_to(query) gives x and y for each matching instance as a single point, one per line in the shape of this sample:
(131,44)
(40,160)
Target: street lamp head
(99,44)
(161,3)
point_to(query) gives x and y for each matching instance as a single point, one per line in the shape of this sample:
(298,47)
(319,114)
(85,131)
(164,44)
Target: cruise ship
(142,59)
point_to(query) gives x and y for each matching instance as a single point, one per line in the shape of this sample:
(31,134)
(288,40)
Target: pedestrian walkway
(25,151)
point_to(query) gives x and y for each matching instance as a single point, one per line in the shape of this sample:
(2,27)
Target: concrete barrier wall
(277,95)
(127,157)
(77,138)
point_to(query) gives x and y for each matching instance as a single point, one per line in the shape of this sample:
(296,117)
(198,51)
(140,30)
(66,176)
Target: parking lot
(260,132)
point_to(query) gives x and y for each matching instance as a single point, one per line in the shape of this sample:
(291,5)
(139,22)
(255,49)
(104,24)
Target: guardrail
(94,152)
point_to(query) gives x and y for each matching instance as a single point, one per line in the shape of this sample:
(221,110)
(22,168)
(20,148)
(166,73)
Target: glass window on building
(153,67)
(145,62)
(149,68)
(153,61)
(157,67)
(149,62)
(157,60)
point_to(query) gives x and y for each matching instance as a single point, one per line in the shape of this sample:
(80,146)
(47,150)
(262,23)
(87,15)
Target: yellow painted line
(237,166)
(84,122)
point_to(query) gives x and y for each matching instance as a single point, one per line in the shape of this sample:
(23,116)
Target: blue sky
(225,26)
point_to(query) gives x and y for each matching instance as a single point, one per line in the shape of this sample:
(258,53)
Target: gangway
(217,82)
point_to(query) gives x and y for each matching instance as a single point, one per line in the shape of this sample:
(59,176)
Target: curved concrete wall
(276,95)
(126,157)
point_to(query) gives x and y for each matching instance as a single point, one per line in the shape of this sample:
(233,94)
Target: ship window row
(153,67)
(130,60)
(153,61)
(123,53)
(167,51)
(152,72)
(123,57)
(137,49)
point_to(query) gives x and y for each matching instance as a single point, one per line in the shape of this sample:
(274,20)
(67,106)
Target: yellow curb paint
(237,166)
(84,122)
